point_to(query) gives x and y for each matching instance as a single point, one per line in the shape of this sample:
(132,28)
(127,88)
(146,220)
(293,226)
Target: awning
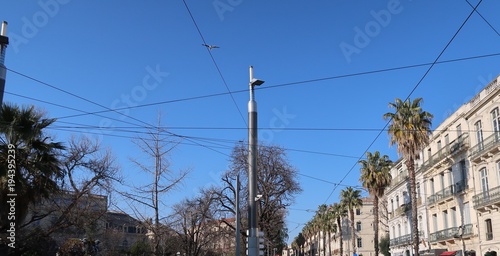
(449,253)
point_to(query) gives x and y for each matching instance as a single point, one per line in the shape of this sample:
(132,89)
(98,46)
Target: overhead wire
(215,62)
(408,97)
(484,19)
(286,84)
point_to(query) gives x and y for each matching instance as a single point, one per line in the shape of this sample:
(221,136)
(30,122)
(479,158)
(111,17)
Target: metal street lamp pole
(238,239)
(4,41)
(252,167)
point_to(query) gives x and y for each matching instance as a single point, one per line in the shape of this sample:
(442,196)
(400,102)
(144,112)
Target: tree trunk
(329,243)
(341,247)
(413,198)
(375,224)
(353,234)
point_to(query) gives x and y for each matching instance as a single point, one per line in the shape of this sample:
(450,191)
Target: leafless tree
(157,147)
(197,224)
(276,182)
(90,173)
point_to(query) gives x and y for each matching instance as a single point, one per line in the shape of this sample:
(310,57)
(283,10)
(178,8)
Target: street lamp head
(256,81)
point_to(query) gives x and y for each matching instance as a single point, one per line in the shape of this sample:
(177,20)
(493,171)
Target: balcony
(399,178)
(401,211)
(490,145)
(447,193)
(444,235)
(458,145)
(403,240)
(487,200)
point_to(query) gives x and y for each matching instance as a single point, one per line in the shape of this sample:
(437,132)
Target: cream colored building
(458,183)
(399,208)
(364,234)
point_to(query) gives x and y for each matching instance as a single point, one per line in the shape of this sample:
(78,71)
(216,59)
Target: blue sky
(316,57)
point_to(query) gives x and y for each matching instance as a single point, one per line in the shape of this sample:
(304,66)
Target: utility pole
(238,239)
(253,249)
(4,41)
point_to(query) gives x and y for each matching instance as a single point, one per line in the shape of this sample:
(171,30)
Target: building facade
(458,184)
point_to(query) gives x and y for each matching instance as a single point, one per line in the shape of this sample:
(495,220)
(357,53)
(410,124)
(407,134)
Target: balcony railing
(456,145)
(444,234)
(486,144)
(403,209)
(486,198)
(467,230)
(404,240)
(447,192)
(399,178)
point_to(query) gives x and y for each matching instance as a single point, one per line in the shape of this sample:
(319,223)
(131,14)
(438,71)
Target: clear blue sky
(314,57)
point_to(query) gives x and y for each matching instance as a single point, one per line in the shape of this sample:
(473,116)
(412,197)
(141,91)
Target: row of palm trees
(409,129)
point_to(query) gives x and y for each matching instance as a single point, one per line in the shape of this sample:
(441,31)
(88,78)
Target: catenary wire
(480,15)
(287,84)
(408,97)
(215,62)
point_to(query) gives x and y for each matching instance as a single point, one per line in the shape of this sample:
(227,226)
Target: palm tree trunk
(329,243)
(341,247)
(375,224)
(353,234)
(413,197)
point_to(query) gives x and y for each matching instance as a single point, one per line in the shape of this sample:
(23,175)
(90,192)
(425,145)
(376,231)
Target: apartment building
(458,184)
(399,208)
(320,244)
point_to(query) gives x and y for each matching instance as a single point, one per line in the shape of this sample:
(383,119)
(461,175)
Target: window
(439,145)
(392,205)
(397,201)
(358,226)
(435,222)
(429,154)
(498,171)
(399,230)
(394,232)
(463,170)
(360,242)
(431,184)
(453,217)
(446,140)
(466,213)
(489,230)
(358,211)
(495,117)
(459,130)
(479,134)
(442,180)
(445,219)
(418,190)
(484,180)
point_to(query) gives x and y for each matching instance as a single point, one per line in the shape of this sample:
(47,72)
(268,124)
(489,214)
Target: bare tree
(198,225)
(157,147)
(276,182)
(90,172)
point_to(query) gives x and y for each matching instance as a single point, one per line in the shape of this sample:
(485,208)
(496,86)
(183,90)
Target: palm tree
(37,166)
(351,198)
(330,227)
(339,212)
(409,129)
(376,177)
(321,223)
